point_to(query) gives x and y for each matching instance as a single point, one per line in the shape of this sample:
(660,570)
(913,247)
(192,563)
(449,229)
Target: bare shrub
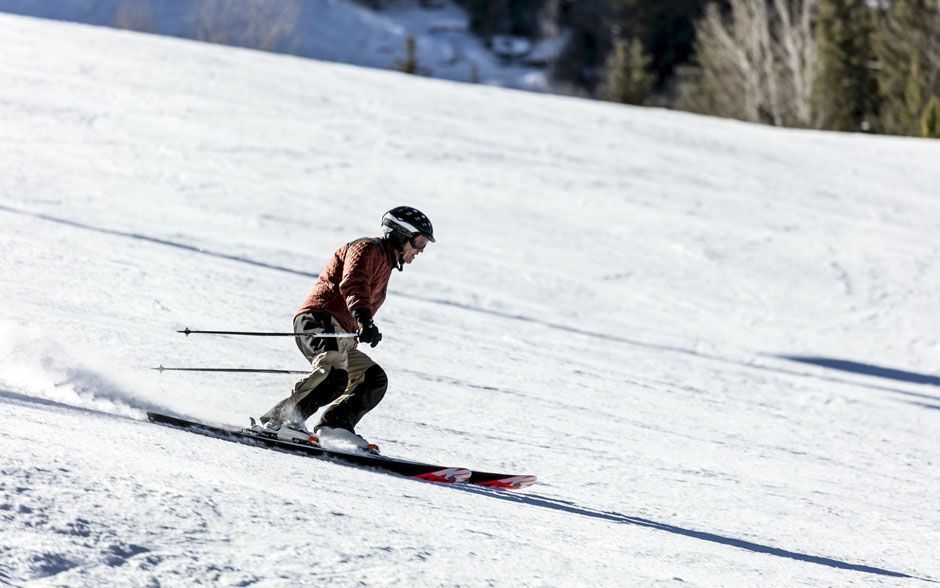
(266,25)
(133,15)
(756,62)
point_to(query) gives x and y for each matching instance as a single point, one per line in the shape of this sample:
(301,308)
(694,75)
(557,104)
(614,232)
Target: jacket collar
(391,252)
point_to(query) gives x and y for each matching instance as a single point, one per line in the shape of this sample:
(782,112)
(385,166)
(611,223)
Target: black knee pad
(375,378)
(373,389)
(375,383)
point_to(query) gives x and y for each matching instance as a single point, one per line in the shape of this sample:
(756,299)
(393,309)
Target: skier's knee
(376,382)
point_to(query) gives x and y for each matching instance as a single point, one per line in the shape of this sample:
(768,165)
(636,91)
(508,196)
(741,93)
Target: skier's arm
(356,286)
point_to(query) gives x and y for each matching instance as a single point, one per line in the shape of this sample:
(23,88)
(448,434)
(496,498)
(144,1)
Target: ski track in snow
(704,341)
(748,362)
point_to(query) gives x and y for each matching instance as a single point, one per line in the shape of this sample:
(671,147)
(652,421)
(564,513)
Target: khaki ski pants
(341,376)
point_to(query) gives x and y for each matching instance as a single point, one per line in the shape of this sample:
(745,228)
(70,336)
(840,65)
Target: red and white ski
(412,469)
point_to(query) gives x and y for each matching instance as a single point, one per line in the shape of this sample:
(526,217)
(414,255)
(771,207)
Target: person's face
(414,248)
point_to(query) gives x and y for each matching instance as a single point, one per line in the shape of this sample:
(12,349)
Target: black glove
(368,332)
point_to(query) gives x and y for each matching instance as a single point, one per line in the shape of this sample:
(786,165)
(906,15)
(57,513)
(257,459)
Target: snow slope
(609,306)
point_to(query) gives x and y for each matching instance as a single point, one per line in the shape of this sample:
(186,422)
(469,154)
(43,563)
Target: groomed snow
(608,306)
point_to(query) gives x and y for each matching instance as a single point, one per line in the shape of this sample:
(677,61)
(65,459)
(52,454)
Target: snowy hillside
(610,306)
(343,31)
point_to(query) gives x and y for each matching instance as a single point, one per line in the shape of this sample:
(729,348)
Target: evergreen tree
(845,94)
(908,51)
(930,121)
(581,62)
(488,17)
(500,17)
(665,27)
(627,78)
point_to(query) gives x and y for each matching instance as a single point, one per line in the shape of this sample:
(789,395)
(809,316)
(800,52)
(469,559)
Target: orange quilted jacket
(355,277)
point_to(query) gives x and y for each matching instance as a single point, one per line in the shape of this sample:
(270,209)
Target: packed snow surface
(716,344)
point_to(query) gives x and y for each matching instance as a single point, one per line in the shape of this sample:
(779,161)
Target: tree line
(846,65)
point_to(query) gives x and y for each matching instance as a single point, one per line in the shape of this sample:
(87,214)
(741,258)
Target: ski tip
(448,475)
(511,483)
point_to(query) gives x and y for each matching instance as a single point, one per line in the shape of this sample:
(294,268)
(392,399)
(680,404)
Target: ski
(504,481)
(411,469)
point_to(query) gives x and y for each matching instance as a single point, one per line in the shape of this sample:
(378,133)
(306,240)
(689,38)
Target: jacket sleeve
(358,273)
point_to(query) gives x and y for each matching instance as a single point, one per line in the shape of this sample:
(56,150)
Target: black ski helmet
(403,224)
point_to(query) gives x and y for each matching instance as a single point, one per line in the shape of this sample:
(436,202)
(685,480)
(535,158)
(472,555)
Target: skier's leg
(328,379)
(365,389)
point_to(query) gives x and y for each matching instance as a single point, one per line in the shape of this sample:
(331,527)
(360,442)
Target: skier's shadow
(615,517)
(866,369)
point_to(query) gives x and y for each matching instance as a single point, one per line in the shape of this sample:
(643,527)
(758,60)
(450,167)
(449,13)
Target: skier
(346,297)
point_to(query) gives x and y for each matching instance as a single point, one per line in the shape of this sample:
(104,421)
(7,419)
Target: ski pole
(162,369)
(187,331)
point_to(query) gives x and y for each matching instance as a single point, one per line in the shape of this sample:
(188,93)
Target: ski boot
(344,438)
(290,432)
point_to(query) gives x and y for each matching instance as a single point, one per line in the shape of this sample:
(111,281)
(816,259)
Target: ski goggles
(414,242)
